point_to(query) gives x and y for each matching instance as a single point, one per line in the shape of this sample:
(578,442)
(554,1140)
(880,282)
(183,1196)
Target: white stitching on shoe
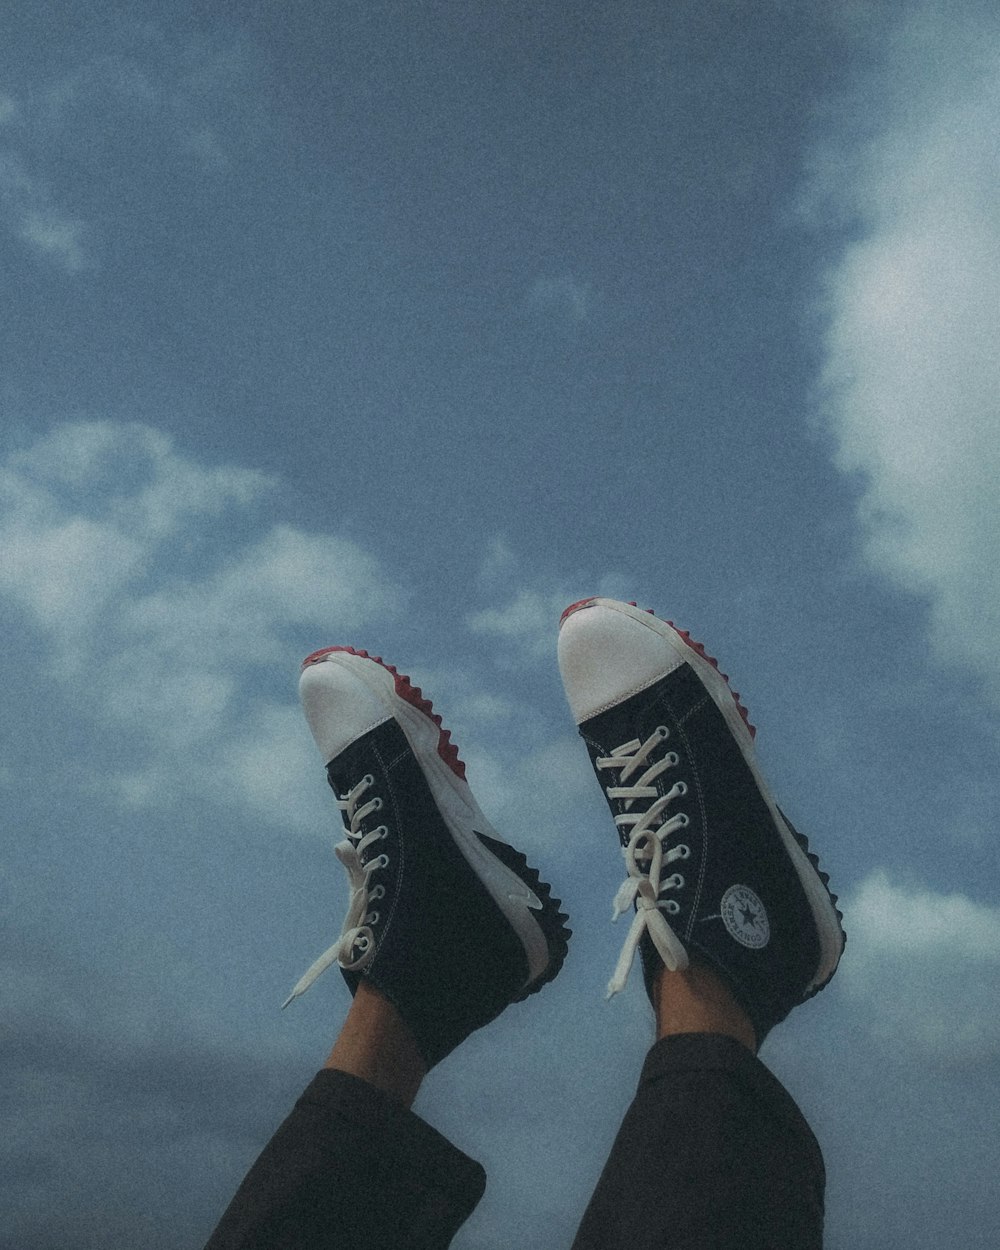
(649,828)
(356,933)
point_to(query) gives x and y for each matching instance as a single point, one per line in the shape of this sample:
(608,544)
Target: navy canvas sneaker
(445,920)
(715,870)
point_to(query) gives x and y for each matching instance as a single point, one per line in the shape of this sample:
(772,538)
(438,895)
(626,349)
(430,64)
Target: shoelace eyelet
(643,813)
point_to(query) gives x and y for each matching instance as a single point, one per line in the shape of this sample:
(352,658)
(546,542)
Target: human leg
(735,926)
(446,927)
(376,1046)
(712,1153)
(350,1169)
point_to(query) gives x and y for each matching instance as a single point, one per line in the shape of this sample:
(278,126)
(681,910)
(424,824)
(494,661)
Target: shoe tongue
(364,757)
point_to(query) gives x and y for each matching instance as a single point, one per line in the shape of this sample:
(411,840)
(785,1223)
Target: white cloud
(32,214)
(167,646)
(925,967)
(285,578)
(531,619)
(542,789)
(84,509)
(912,371)
(57,237)
(528,620)
(563,297)
(499,562)
(66,569)
(148,89)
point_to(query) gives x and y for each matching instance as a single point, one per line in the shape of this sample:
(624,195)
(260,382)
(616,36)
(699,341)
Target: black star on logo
(750,914)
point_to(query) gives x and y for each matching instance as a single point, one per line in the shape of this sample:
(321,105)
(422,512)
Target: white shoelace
(356,933)
(645,857)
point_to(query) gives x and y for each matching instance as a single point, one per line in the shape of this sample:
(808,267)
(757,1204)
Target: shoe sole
(517,889)
(815,883)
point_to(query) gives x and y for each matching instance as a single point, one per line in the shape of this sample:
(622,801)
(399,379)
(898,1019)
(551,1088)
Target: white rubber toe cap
(606,654)
(339,704)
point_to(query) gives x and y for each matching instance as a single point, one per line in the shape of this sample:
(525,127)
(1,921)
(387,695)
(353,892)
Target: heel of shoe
(551,920)
(836,940)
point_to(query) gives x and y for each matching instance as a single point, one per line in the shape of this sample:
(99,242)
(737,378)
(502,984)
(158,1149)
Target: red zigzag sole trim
(412,694)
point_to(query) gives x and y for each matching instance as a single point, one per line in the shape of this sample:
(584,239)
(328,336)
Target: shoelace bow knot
(356,933)
(648,827)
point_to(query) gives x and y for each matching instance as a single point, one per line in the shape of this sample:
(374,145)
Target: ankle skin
(376,1046)
(698,1001)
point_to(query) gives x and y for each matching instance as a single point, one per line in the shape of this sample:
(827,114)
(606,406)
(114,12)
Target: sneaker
(716,871)
(445,920)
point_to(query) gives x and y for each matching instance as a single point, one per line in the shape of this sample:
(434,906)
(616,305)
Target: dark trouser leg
(712,1153)
(351,1168)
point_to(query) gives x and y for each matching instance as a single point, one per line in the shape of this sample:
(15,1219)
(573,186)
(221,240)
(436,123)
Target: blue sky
(403,326)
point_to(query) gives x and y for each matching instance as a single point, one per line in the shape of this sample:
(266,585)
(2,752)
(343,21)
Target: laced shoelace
(648,827)
(355,948)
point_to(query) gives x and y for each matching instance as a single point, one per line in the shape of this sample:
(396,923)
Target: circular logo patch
(745,917)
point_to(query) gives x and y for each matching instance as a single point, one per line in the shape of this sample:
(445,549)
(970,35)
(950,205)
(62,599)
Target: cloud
(116,1100)
(184,98)
(164,623)
(527,622)
(563,298)
(925,968)
(83,511)
(192,91)
(544,789)
(911,380)
(32,214)
(531,619)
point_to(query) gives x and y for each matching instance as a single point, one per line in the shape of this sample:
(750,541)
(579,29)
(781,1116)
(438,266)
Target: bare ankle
(376,1046)
(699,1001)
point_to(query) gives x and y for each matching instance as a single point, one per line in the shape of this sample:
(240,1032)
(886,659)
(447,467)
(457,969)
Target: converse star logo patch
(745,917)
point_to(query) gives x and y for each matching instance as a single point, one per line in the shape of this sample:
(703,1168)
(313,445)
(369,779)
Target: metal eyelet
(670,906)
(681,788)
(371,918)
(377,892)
(682,851)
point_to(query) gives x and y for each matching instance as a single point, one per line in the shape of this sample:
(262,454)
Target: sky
(403,326)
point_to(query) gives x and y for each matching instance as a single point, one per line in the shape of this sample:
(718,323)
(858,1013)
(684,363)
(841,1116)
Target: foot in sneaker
(445,920)
(716,872)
